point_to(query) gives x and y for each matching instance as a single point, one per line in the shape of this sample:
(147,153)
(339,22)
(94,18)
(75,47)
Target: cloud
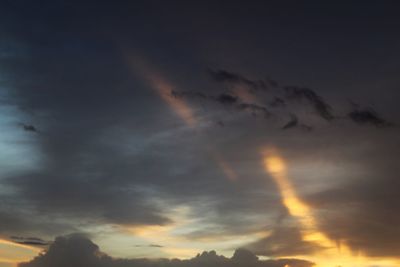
(361,210)
(255,109)
(291,92)
(35,241)
(149,246)
(77,250)
(277,102)
(283,241)
(281,97)
(227,99)
(294,123)
(114,153)
(29,127)
(318,103)
(367,116)
(230,78)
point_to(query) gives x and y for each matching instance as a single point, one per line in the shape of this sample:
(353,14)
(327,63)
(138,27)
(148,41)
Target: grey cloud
(149,246)
(35,241)
(362,211)
(367,116)
(277,102)
(319,104)
(224,76)
(255,109)
(55,193)
(227,99)
(77,250)
(29,127)
(109,136)
(290,93)
(294,123)
(283,241)
(322,108)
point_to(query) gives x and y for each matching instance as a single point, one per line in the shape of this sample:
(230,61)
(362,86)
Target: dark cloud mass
(367,116)
(28,127)
(231,78)
(76,250)
(320,106)
(226,99)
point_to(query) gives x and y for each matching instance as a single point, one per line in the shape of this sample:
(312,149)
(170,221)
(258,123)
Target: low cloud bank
(79,251)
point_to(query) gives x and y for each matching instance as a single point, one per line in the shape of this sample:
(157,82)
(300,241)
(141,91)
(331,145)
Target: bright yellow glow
(330,255)
(6,260)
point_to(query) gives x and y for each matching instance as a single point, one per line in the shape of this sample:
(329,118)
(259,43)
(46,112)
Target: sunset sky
(266,131)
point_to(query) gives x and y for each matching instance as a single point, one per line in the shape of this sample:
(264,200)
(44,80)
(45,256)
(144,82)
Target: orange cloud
(163,88)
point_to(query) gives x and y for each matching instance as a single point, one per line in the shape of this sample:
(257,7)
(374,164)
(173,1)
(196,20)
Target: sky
(212,133)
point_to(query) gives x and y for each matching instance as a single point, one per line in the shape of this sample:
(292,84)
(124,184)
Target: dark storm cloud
(231,78)
(29,127)
(304,95)
(367,116)
(317,102)
(294,123)
(321,107)
(77,250)
(255,109)
(226,99)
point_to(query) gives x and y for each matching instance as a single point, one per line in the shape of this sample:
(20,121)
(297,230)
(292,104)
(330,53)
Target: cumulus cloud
(77,250)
